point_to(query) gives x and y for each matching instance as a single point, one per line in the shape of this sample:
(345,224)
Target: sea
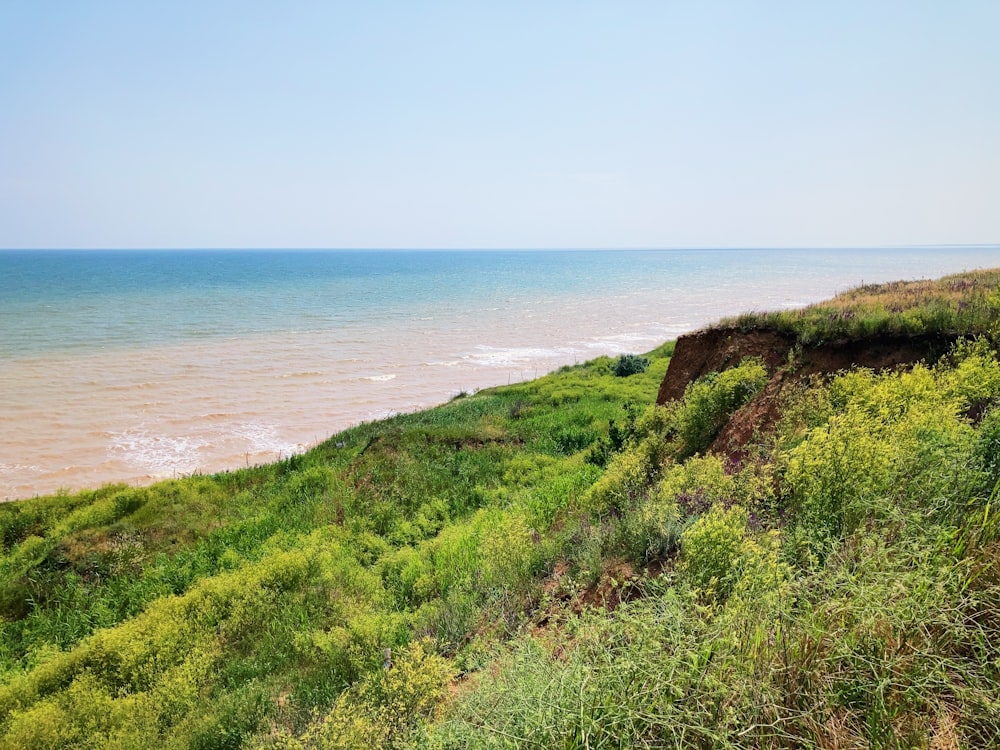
(134,366)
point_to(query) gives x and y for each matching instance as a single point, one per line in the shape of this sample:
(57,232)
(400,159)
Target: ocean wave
(17,468)
(155,453)
(661,334)
(263,438)
(490,356)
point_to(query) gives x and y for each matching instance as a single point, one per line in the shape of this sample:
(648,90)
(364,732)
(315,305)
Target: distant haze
(512,125)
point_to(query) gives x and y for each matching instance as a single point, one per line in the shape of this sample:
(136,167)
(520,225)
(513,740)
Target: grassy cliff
(965,303)
(559,563)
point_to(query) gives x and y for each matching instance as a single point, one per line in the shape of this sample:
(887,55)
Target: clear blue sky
(505,124)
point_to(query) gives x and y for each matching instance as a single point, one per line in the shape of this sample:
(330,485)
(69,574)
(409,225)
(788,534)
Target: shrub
(687,490)
(618,436)
(629,364)
(697,484)
(569,440)
(712,548)
(382,709)
(721,556)
(710,401)
(987,450)
(651,531)
(628,476)
(898,442)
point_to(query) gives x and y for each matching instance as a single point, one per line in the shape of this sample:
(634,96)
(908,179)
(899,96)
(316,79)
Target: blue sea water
(134,365)
(84,300)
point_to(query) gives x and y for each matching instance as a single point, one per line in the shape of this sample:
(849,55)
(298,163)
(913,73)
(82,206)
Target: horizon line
(643,248)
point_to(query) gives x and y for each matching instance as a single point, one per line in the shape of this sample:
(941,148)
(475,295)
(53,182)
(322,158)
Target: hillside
(878,326)
(794,545)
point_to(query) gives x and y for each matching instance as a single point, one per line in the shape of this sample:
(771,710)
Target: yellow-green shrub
(652,527)
(164,658)
(972,374)
(712,547)
(651,531)
(408,575)
(628,476)
(721,556)
(381,710)
(897,439)
(710,400)
(704,476)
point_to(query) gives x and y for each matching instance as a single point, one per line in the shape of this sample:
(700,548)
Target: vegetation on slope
(966,303)
(837,587)
(205,611)
(553,564)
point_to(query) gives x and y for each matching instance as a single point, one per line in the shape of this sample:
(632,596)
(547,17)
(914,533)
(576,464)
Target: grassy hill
(559,563)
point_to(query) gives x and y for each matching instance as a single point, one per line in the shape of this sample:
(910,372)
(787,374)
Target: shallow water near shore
(134,366)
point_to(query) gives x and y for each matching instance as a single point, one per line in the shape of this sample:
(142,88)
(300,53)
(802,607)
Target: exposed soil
(717,349)
(787,362)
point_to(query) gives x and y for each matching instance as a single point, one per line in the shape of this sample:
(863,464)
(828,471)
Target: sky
(549,123)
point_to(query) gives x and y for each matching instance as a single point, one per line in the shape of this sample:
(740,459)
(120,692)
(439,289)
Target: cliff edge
(788,361)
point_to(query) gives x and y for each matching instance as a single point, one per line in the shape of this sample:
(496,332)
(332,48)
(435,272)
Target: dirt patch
(754,418)
(616,584)
(619,581)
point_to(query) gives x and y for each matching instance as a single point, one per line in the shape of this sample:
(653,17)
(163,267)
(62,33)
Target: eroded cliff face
(717,349)
(787,362)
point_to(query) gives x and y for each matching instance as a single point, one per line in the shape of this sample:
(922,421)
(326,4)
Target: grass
(289,579)
(966,303)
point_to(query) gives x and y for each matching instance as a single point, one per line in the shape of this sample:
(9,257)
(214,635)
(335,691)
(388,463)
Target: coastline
(136,414)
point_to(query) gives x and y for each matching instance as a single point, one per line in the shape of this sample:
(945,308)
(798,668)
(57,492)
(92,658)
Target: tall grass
(966,303)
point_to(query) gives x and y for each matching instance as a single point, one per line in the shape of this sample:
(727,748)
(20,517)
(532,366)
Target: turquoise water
(134,365)
(85,300)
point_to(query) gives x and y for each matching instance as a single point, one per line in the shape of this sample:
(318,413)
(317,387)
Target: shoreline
(220,435)
(138,414)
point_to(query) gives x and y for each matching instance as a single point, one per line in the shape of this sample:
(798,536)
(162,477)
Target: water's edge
(129,379)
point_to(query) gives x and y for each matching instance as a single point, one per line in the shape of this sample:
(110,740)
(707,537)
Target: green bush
(628,476)
(987,449)
(618,436)
(899,442)
(712,550)
(651,531)
(381,710)
(629,364)
(709,402)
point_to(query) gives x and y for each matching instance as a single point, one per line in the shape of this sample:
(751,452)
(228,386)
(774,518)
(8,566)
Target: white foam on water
(157,454)
(264,438)
(490,356)
(17,468)
(379,378)
(631,342)
(625,338)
